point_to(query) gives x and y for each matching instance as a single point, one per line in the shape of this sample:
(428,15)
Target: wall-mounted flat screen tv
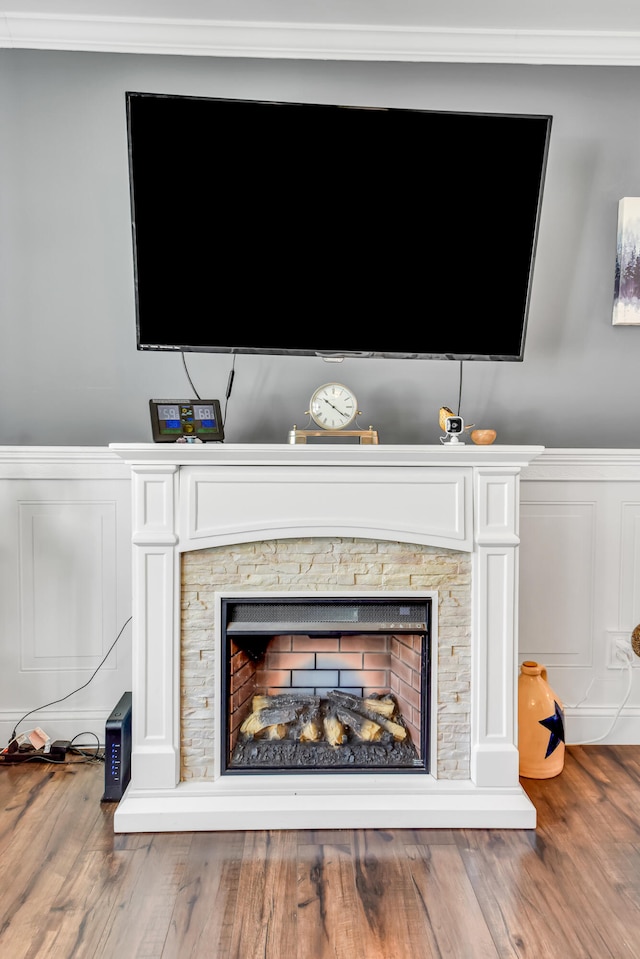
(336,230)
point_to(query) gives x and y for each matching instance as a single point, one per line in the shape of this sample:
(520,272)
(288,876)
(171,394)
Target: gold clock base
(367,437)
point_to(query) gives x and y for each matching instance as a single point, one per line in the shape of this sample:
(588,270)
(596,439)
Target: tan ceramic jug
(540,724)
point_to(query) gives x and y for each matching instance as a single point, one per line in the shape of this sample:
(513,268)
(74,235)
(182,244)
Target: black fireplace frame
(256,634)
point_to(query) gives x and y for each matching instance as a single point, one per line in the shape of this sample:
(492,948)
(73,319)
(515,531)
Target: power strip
(22,756)
(56,753)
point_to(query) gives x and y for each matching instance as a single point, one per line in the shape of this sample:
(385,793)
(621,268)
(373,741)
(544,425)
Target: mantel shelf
(285,454)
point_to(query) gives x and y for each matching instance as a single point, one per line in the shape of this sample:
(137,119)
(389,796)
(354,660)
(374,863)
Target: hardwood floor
(569,889)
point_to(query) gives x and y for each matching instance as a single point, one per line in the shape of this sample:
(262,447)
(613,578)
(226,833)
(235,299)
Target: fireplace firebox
(338,684)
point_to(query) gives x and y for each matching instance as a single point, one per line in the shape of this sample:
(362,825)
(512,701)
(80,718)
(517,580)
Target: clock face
(333,406)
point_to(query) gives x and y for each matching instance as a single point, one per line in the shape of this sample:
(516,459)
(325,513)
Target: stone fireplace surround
(196,497)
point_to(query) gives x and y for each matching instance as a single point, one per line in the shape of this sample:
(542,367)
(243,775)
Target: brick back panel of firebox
(361,664)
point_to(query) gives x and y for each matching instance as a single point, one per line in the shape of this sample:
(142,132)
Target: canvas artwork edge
(626,298)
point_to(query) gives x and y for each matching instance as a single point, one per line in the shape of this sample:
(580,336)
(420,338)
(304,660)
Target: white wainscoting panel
(67,618)
(580,585)
(65,584)
(556,610)
(630,567)
(65,590)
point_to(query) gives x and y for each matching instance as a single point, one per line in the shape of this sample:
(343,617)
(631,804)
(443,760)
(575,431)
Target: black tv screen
(307,228)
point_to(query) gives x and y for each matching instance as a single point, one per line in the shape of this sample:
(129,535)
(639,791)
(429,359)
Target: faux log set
(337,729)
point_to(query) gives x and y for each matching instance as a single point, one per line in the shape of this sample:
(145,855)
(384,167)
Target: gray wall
(70,373)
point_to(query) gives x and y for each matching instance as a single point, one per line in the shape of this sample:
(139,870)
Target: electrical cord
(96,756)
(589,742)
(184,363)
(232,374)
(62,699)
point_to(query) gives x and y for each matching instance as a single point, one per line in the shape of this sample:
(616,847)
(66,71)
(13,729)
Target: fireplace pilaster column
(155,758)
(494,754)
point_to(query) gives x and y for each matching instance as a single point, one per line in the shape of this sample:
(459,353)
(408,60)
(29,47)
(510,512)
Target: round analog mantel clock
(333,408)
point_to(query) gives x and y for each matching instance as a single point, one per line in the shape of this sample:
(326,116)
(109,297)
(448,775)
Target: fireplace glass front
(326,684)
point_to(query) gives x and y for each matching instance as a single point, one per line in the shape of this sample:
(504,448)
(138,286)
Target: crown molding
(208,38)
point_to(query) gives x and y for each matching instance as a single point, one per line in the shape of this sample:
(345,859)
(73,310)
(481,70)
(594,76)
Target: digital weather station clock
(186,421)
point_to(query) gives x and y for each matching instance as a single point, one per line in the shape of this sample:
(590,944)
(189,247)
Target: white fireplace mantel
(188,497)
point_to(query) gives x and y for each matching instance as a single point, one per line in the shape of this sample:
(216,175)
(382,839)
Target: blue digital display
(180,421)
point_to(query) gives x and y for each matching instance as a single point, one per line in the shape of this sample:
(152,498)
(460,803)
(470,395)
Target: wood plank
(327,901)
(76,923)
(389,895)
(140,913)
(30,794)
(609,905)
(37,862)
(454,923)
(595,794)
(264,924)
(205,905)
(357,899)
(521,889)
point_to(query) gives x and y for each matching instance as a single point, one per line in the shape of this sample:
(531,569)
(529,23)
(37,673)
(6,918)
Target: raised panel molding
(154,495)
(556,609)
(496,507)
(630,567)
(225,505)
(67,620)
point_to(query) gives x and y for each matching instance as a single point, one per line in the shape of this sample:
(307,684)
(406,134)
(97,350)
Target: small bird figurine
(442,421)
